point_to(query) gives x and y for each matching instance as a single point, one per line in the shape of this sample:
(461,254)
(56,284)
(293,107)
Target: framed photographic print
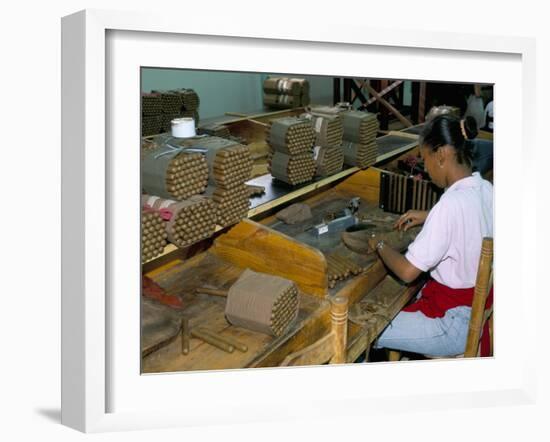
(172,217)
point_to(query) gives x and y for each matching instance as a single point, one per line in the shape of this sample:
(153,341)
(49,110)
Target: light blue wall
(239,92)
(221,92)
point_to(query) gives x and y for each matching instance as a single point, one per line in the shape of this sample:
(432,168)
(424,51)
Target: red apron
(437,298)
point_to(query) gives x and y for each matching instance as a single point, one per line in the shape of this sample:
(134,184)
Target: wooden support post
(339,321)
(480,296)
(336,93)
(422,102)
(347,90)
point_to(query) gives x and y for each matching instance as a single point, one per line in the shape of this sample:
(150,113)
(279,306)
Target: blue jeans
(417,333)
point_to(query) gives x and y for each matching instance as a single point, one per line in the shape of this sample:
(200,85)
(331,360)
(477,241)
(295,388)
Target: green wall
(221,92)
(239,92)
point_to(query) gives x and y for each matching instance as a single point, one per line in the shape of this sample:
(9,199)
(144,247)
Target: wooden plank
(253,245)
(317,353)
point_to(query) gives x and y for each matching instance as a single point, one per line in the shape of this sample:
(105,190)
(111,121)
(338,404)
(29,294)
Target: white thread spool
(183,127)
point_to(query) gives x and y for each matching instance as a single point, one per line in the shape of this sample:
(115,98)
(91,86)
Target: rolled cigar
(340,268)
(213,341)
(209,291)
(343,262)
(228,340)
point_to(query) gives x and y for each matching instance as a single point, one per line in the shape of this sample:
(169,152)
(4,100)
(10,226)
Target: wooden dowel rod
(213,341)
(228,340)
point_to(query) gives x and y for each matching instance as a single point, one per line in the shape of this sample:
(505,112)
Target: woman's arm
(396,262)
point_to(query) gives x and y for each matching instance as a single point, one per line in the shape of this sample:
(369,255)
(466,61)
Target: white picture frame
(97,238)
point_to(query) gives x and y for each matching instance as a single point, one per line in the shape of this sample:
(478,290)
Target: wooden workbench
(374,297)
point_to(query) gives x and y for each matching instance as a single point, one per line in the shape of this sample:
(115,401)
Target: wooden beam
(383,91)
(262,249)
(422,102)
(389,106)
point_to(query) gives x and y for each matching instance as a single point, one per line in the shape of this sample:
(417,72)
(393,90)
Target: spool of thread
(183,127)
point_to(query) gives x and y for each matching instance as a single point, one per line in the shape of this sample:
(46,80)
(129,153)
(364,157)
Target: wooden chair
(330,348)
(479,315)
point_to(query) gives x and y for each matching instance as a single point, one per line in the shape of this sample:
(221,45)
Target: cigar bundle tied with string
(360,146)
(327,153)
(153,235)
(291,141)
(285,85)
(186,222)
(359,133)
(285,92)
(173,171)
(262,303)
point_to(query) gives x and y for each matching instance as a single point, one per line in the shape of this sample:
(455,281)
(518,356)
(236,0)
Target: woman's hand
(410,218)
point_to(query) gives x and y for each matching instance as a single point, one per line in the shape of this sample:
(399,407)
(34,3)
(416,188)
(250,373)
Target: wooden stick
(213,341)
(228,340)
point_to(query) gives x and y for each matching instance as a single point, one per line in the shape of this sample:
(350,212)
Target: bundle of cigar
(230,166)
(263,303)
(340,268)
(172,173)
(231,204)
(328,153)
(360,147)
(284,92)
(151,104)
(160,107)
(153,235)
(187,221)
(359,134)
(189,99)
(151,125)
(360,155)
(290,142)
(329,129)
(359,127)
(292,169)
(329,160)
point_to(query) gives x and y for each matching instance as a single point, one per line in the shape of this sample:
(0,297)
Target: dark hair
(446,130)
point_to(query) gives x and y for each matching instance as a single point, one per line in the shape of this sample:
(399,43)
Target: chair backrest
(483,284)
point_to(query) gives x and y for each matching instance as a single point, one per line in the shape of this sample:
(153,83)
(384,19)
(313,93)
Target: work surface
(374,299)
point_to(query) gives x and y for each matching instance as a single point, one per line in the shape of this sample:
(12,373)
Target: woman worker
(448,246)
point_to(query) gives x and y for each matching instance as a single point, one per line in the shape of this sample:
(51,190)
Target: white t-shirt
(449,243)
